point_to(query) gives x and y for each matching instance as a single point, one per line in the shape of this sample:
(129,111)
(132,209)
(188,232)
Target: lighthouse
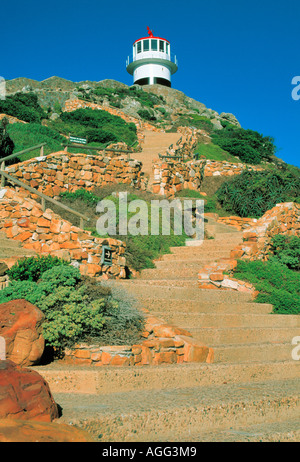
(152,61)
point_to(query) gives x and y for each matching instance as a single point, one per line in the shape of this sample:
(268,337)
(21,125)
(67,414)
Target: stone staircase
(250,393)
(154,143)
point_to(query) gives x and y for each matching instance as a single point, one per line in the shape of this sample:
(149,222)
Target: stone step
(253,353)
(148,415)
(109,380)
(194,258)
(213,337)
(275,432)
(217,320)
(169,306)
(174,273)
(164,289)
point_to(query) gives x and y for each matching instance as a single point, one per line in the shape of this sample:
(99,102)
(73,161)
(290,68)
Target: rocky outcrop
(21,328)
(25,394)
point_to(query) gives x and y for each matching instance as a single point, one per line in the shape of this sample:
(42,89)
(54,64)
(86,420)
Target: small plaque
(106,258)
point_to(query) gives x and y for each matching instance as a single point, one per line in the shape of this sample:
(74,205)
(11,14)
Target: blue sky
(234,56)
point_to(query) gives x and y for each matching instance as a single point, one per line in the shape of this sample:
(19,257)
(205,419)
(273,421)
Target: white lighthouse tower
(152,61)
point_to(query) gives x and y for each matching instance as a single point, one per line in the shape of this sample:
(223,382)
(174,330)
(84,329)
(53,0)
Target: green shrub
(286,250)
(24,106)
(251,194)
(276,284)
(31,268)
(97,126)
(250,146)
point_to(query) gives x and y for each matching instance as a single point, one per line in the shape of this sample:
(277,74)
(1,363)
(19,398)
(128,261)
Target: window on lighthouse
(146,45)
(139,47)
(154,45)
(161,46)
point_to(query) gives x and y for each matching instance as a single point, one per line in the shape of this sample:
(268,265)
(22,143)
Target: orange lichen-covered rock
(21,327)
(25,394)
(30,431)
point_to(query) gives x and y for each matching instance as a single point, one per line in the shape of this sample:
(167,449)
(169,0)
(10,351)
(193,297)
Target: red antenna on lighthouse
(150,32)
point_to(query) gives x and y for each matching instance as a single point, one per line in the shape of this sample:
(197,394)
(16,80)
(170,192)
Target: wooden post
(2,176)
(43,204)
(81,223)
(42,151)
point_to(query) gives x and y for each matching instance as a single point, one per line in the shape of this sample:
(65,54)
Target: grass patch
(213,152)
(276,284)
(27,135)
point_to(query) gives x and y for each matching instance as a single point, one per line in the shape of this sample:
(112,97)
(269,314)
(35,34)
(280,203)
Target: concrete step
(179,273)
(110,380)
(278,432)
(170,307)
(253,353)
(194,258)
(164,289)
(244,335)
(217,320)
(159,415)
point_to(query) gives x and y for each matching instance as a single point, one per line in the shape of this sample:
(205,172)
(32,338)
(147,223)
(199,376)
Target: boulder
(24,394)
(21,327)
(29,431)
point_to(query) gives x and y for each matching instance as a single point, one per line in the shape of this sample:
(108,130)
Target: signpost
(75,139)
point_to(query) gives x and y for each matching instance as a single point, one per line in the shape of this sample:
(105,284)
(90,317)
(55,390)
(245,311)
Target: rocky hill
(173,104)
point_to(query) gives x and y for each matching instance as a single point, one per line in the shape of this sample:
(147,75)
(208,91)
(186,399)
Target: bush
(250,146)
(6,143)
(24,106)
(251,194)
(31,268)
(76,308)
(97,126)
(286,250)
(276,284)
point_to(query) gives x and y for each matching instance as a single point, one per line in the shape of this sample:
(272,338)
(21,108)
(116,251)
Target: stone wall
(171,176)
(162,344)
(23,219)
(237,222)
(282,219)
(63,171)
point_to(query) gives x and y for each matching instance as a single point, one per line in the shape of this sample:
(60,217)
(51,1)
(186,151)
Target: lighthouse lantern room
(152,61)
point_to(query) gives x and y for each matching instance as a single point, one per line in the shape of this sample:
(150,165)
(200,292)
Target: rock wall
(62,171)
(162,344)
(23,219)
(282,219)
(171,176)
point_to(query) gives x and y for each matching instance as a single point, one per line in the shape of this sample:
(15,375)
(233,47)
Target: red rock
(195,351)
(30,431)
(25,394)
(21,327)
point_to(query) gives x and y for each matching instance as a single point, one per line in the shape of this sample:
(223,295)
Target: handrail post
(43,204)
(42,151)
(81,223)
(2,176)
